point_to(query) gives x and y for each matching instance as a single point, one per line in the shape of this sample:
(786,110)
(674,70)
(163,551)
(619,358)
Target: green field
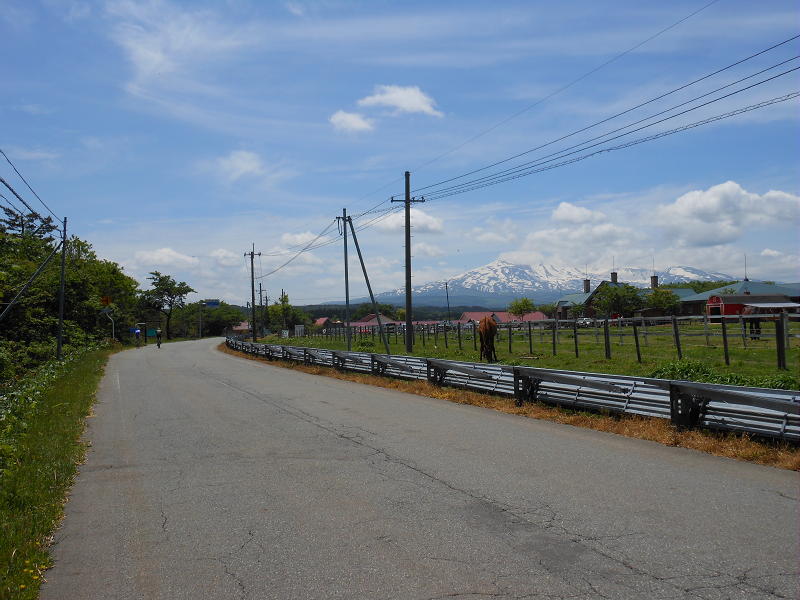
(749,359)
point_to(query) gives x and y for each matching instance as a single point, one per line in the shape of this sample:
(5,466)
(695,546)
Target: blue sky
(172,135)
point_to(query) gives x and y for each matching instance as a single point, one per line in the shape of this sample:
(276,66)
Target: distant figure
(487,330)
(754,323)
(158,338)
(138,333)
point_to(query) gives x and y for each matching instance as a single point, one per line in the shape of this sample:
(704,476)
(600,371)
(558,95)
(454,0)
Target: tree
(366,309)
(621,299)
(698,287)
(285,316)
(166,295)
(577,310)
(663,300)
(520,307)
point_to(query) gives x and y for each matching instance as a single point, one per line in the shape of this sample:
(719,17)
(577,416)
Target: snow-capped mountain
(500,281)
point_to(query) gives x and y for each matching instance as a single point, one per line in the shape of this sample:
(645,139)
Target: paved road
(211,476)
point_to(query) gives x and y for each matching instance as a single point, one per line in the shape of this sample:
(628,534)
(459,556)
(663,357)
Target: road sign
(105,310)
(212,302)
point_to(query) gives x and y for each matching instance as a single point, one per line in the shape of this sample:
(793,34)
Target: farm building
(736,304)
(696,304)
(566,304)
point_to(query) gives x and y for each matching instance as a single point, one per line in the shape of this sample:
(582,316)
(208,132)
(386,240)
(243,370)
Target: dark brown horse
(487,329)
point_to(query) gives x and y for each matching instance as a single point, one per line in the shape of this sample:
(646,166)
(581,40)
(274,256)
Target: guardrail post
(677,335)
(780,343)
(725,340)
(435,374)
(636,341)
(686,409)
(606,338)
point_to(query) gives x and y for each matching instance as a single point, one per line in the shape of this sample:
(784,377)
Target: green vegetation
(618,300)
(752,362)
(663,300)
(520,307)
(282,315)
(41,420)
(366,309)
(699,286)
(165,296)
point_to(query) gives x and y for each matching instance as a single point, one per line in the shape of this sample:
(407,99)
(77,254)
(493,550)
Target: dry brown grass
(730,445)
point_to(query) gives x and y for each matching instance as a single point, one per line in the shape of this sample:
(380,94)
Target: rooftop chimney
(613,277)
(653,281)
(587,286)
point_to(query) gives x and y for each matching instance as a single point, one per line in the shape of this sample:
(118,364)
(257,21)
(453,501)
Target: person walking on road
(158,338)
(138,333)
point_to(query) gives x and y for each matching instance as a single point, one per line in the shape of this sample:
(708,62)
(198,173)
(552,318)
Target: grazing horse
(487,329)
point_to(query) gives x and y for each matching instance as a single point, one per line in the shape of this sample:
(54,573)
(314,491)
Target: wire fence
(769,339)
(761,411)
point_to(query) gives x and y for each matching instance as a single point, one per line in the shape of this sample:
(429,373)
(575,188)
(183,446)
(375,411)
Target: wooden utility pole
(409,317)
(252,254)
(60,339)
(347,332)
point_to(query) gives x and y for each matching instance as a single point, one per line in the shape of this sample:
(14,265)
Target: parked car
(584,322)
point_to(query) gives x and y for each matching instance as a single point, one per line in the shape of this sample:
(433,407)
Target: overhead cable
(29,186)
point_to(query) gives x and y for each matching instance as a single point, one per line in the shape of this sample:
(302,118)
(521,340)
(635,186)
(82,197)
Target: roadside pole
(60,340)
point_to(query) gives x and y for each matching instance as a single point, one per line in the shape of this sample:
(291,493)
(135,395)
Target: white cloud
(297,9)
(408,99)
(163,257)
(724,212)
(570,213)
(770,252)
(296,239)
(345,121)
(429,250)
(34,109)
(226,258)
(240,163)
(31,153)
(421,222)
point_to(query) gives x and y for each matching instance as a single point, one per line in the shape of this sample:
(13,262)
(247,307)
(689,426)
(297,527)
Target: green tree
(166,295)
(664,300)
(366,309)
(622,299)
(285,316)
(520,306)
(577,310)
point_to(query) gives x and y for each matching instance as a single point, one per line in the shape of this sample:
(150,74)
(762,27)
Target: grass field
(748,358)
(41,449)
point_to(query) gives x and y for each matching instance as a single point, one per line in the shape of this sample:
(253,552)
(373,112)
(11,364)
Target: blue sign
(212,303)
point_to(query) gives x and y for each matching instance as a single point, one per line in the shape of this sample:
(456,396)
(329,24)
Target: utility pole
(261,307)
(60,340)
(252,254)
(369,287)
(447,293)
(346,282)
(408,200)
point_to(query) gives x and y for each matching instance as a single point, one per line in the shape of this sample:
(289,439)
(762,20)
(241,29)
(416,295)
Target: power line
(29,185)
(321,233)
(562,153)
(776,100)
(619,114)
(569,85)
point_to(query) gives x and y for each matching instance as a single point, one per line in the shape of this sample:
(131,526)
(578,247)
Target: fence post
(474,336)
(677,335)
(530,339)
(606,338)
(785,320)
(780,343)
(575,335)
(725,340)
(596,332)
(705,328)
(644,326)
(555,328)
(744,331)
(636,341)
(510,335)
(436,335)
(458,331)
(422,333)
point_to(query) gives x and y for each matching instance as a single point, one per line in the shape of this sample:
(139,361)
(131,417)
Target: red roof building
(501,316)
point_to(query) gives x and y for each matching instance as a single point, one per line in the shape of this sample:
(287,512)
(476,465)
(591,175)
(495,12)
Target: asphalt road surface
(212,476)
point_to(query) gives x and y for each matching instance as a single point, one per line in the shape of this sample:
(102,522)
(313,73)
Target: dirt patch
(731,445)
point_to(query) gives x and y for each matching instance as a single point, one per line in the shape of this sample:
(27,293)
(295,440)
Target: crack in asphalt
(518,513)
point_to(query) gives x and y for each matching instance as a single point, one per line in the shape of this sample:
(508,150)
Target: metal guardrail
(762,411)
